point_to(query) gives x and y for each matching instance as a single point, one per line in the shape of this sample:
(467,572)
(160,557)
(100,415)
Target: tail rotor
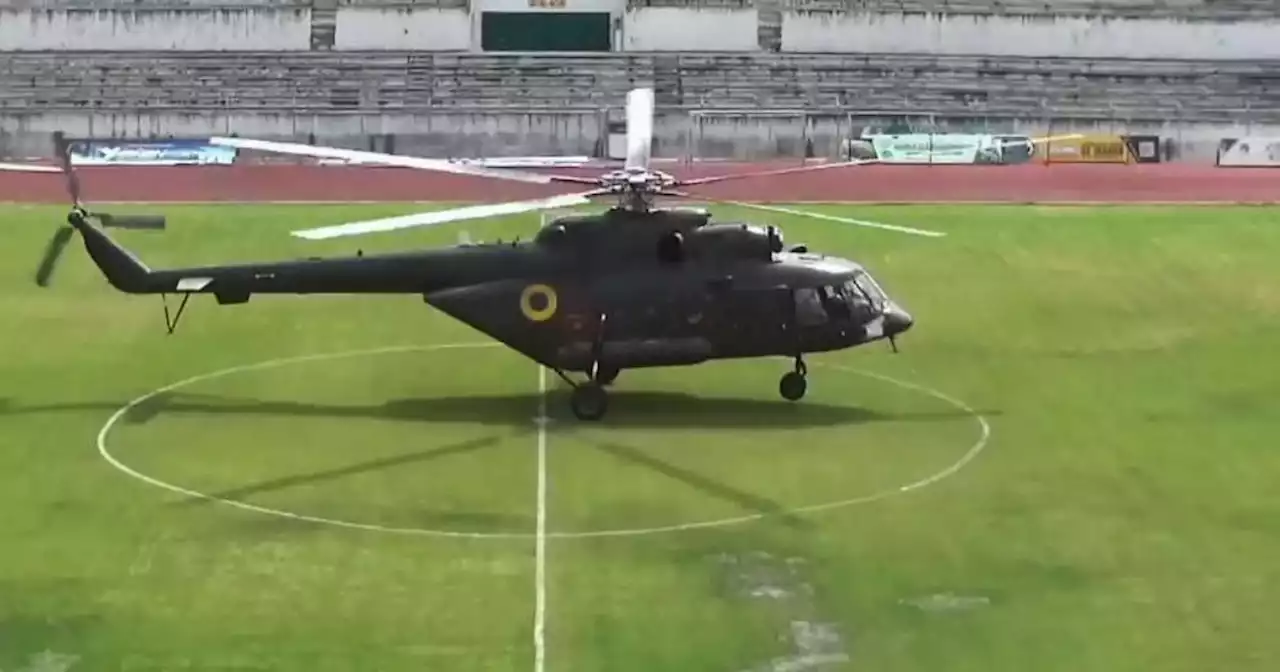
(80,216)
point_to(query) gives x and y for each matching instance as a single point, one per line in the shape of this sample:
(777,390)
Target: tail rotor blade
(52,253)
(63,149)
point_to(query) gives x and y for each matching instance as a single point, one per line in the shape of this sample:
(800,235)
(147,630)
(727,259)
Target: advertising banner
(1015,148)
(1088,149)
(1143,148)
(144,153)
(934,148)
(1255,152)
(943,148)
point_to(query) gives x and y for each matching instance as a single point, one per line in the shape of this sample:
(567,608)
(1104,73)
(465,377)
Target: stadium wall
(289,26)
(437,134)
(717,135)
(284,28)
(1005,35)
(674,29)
(400,28)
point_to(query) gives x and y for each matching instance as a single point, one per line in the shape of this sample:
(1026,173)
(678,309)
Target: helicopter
(594,294)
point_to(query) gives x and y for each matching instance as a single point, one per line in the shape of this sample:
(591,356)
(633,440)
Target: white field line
(540,552)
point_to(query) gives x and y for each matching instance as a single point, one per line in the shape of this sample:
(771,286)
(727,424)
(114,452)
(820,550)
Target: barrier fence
(1249,152)
(747,135)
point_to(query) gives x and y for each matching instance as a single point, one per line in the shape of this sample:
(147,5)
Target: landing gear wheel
(589,401)
(793,386)
(606,375)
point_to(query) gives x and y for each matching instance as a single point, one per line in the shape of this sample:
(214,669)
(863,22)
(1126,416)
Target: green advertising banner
(935,148)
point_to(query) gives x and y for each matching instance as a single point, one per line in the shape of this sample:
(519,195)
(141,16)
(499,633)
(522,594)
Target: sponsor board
(934,148)
(1143,148)
(150,153)
(1253,151)
(943,148)
(1015,148)
(1092,148)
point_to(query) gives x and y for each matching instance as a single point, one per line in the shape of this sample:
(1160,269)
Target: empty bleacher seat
(411,82)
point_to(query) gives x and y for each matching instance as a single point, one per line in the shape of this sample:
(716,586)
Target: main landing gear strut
(589,401)
(794,383)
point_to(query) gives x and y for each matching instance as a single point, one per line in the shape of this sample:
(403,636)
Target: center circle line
(103,433)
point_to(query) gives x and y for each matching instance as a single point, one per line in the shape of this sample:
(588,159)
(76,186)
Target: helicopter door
(754,321)
(810,311)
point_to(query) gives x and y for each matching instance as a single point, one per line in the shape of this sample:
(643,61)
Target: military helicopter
(633,286)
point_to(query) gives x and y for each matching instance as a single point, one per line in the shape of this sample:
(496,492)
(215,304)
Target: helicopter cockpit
(857,299)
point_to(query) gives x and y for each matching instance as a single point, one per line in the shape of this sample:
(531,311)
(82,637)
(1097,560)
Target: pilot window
(833,301)
(859,304)
(809,310)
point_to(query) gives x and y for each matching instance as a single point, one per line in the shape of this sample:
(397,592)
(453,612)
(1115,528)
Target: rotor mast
(636,188)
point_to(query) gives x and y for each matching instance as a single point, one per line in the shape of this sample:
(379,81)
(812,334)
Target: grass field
(1122,517)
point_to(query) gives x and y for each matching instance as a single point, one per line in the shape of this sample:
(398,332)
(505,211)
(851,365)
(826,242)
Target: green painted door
(545,31)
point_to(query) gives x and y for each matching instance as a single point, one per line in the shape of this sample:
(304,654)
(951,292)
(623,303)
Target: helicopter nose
(896,321)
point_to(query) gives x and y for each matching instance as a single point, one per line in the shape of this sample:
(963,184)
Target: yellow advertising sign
(1088,149)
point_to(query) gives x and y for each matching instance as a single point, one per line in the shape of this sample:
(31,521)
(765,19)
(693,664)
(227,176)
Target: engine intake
(671,247)
(738,240)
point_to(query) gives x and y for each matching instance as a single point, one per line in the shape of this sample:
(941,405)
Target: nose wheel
(794,383)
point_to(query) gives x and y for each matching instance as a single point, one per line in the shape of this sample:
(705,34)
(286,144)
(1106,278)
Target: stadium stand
(322,82)
(1201,9)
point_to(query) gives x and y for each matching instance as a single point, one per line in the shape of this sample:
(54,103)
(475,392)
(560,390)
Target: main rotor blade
(829,218)
(446,216)
(52,253)
(639,128)
(356,156)
(28,168)
(771,173)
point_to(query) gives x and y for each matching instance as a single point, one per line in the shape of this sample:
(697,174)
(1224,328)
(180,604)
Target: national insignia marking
(538,302)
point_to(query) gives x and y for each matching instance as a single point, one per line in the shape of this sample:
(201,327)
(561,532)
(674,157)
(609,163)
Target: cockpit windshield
(858,298)
(870,289)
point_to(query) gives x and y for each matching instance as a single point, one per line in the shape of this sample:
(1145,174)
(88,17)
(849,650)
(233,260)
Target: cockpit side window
(859,303)
(834,302)
(809,312)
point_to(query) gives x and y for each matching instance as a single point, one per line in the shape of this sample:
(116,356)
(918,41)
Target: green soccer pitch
(1084,418)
